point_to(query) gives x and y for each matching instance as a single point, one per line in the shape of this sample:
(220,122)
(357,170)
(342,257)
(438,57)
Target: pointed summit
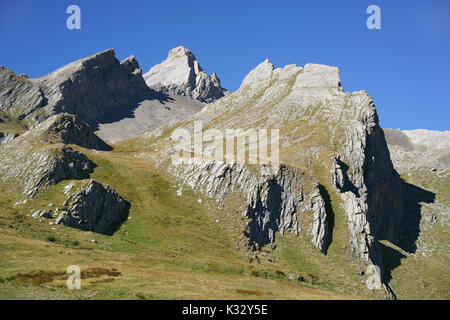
(181,74)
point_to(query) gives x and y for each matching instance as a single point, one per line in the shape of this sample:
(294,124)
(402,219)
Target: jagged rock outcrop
(39,157)
(32,170)
(96,88)
(273,196)
(94,207)
(181,74)
(319,230)
(19,97)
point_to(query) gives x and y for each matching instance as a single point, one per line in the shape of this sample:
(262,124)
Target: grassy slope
(172,247)
(410,276)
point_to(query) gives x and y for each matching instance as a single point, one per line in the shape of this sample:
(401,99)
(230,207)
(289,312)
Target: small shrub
(51,238)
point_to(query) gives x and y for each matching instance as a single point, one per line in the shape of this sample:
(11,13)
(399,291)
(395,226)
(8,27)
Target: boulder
(94,207)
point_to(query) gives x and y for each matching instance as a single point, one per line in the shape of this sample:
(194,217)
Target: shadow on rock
(330,215)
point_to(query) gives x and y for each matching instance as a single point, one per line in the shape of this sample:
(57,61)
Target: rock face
(7,136)
(40,158)
(181,74)
(320,231)
(33,170)
(273,196)
(96,88)
(19,97)
(70,129)
(330,143)
(94,207)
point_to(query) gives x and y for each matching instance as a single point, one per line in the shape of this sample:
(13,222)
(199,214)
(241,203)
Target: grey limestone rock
(274,196)
(31,161)
(109,95)
(94,207)
(181,74)
(70,129)
(96,88)
(319,230)
(47,214)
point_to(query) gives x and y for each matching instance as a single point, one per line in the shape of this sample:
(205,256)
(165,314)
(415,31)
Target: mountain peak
(261,72)
(179,51)
(181,74)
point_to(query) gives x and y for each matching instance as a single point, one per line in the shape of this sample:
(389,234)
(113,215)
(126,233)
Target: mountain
(109,94)
(284,188)
(93,87)
(331,147)
(335,186)
(181,74)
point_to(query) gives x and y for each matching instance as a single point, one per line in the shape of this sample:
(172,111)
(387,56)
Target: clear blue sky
(405,66)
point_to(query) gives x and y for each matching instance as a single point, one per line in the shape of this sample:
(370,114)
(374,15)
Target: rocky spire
(181,74)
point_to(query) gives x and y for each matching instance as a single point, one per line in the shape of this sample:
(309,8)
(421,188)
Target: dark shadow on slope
(330,216)
(413,196)
(117,114)
(391,260)
(124,217)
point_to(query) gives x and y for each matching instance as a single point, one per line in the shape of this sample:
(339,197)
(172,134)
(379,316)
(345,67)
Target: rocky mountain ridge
(334,184)
(109,94)
(94,88)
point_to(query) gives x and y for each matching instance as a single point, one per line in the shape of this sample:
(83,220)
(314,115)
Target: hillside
(320,213)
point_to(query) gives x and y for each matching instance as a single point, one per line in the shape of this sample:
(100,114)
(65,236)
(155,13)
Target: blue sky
(404,66)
